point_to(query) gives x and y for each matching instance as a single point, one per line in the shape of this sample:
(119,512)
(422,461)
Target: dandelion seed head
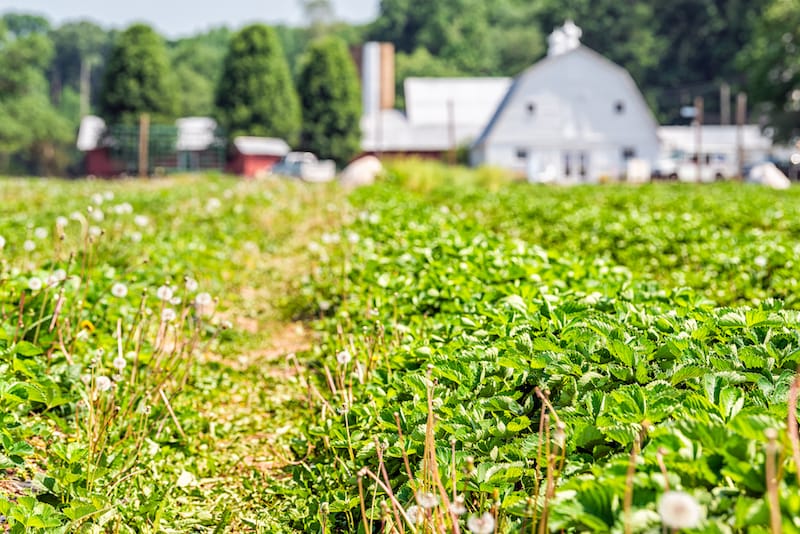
(481,525)
(2,242)
(97,198)
(414,514)
(458,507)
(103,383)
(40,233)
(164,292)
(119,363)
(108,195)
(213,204)
(95,231)
(62,221)
(136,237)
(98,215)
(344,357)
(141,220)
(760,261)
(175,301)
(679,510)
(119,290)
(29,246)
(191,285)
(168,315)
(427,500)
(35,283)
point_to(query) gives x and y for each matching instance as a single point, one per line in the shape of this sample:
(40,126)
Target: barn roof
(391,131)
(194,133)
(463,101)
(555,58)
(90,132)
(261,146)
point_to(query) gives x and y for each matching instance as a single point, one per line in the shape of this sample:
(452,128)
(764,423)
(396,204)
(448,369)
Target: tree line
(51,76)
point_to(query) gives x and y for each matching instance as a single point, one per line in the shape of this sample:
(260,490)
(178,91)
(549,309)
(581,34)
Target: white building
(572,117)
(441,114)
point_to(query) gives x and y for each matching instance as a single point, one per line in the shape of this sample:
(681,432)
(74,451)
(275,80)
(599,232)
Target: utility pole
(451,130)
(725,104)
(144,141)
(698,139)
(85,86)
(741,118)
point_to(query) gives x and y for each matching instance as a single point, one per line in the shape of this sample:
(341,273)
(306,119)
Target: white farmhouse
(573,117)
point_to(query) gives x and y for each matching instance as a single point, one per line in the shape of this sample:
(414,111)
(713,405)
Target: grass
(500,357)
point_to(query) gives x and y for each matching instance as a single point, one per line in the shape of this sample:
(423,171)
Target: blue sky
(176,18)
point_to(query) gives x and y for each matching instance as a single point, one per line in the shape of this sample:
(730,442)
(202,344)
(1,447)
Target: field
(446,351)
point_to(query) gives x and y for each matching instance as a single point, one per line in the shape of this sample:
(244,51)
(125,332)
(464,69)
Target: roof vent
(564,39)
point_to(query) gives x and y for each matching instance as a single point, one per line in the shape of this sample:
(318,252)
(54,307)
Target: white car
(683,166)
(305,166)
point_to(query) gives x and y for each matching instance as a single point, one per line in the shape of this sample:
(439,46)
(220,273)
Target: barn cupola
(564,39)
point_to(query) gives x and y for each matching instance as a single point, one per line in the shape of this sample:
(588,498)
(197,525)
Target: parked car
(680,165)
(306,167)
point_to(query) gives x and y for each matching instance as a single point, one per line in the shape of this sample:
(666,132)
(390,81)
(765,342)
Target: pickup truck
(306,167)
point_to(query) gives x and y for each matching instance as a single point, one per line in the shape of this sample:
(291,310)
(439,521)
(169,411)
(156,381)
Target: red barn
(255,156)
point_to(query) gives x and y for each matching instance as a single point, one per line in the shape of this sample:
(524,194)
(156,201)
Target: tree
(331,101)
(772,61)
(80,51)
(255,94)
(197,64)
(33,135)
(138,79)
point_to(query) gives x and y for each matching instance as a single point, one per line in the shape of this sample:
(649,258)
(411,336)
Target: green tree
(33,135)
(255,94)
(772,61)
(331,101)
(197,64)
(138,79)
(81,49)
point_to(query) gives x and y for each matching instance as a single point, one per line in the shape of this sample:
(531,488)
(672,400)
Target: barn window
(619,107)
(522,153)
(628,153)
(531,107)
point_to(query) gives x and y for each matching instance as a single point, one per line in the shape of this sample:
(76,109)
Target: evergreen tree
(255,94)
(138,79)
(331,101)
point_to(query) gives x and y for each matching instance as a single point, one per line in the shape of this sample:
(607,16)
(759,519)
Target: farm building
(193,143)
(255,156)
(572,117)
(441,114)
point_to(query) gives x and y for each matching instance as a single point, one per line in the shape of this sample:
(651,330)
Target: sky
(176,18)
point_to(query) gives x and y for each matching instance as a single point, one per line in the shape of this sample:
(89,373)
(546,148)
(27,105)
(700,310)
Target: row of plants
(123,405)
(496,357)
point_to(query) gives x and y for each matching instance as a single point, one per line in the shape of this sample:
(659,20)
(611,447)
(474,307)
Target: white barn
(573,117)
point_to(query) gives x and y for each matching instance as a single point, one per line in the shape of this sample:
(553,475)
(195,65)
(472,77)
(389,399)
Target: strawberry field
(445,351)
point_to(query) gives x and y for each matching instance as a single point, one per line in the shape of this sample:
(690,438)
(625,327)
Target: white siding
(563,111)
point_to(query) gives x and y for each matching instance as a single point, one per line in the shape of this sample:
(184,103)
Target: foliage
(772,61)
(331,101)
(79,45)
(512,346)
(33,135)
(197,62)
(138,79)
(255,94)
(123,407)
